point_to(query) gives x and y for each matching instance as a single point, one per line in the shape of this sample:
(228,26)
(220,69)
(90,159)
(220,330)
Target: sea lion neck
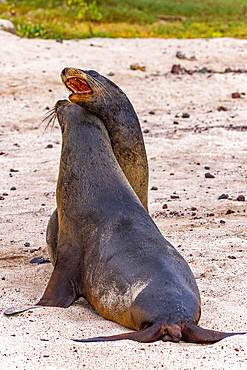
(85,141)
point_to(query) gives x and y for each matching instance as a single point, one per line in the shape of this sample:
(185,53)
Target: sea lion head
(92,90)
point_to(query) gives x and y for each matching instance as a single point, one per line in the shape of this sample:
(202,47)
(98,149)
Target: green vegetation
(127,18)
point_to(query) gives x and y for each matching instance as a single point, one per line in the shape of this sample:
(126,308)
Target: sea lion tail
(194,334)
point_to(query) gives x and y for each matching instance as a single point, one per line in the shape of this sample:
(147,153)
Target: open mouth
(78,86)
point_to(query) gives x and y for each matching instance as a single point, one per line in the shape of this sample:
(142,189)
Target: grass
(127,18)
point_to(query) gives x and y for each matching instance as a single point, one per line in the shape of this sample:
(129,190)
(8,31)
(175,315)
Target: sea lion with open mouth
(110,251)
(100,96)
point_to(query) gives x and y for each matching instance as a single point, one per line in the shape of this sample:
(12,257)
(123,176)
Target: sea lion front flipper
(15,310)
(60,291)
(51,236)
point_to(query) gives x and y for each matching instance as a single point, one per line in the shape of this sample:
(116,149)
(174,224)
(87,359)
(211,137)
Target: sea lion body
(100,96)
(109,250)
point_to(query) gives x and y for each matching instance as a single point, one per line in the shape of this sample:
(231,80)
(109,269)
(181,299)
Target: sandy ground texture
(185,204)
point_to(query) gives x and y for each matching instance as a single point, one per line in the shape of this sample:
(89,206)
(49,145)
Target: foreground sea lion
(100,96)
(110,251)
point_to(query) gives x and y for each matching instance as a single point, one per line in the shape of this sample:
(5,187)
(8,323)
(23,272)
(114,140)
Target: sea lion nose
(63,71)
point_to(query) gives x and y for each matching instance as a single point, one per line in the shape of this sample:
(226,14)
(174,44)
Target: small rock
(27,244)
(182,115)
(207,168)
(236,95)
(209,176)
(151,112)
(111,74)
(13,188)
(223,196)
(154,188)
(221,108)
(174,196)
(59,40)
(241,198)
(146,131)
(12,170)
(49,146)
(136,66)
(5,194)
(232,257)
(177,69)
(180,55)
(222,222)
(164,206)
(186,115)
(1,197)
(7,26)
(175,122)
(40,260)
(229,211)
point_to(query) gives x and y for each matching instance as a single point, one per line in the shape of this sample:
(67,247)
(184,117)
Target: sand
(185,205)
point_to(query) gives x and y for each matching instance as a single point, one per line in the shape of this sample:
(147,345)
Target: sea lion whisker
(108,92)
(50,117)
(101,87)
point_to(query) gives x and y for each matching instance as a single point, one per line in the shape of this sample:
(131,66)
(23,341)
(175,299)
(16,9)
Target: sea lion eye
(93,73)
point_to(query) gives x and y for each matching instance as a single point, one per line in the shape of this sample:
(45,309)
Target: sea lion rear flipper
(60,291)
(148,335)
(194,334)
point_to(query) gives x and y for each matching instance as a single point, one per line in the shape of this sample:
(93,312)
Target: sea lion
(102,97)
(106,100)
(110,251)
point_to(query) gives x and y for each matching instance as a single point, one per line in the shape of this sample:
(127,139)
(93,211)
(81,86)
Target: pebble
(209,176)
(154,188)
(136,66)
(164,206)
(40,260)
(13,188)
(236,95)
(241,198)
(223,196)
(229,211)
(27,244)
(49,146)
(7,26)
(174,196)
(182,115)
(146,131)
(221,108)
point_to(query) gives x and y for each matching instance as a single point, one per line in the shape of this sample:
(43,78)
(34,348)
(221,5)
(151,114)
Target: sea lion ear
(60,291)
